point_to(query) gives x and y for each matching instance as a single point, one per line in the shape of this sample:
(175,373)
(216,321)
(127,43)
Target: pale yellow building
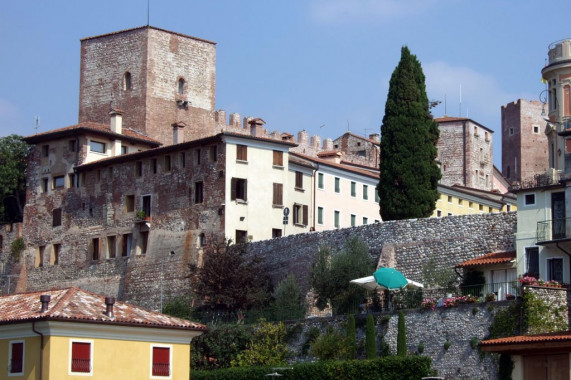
(74,334)
(460,200)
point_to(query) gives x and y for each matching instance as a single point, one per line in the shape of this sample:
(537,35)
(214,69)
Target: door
(546,367)
(558,215)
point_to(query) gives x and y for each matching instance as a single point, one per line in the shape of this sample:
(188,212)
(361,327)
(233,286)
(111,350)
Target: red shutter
(16,361)
(305,215)
(161,361)
(80,357)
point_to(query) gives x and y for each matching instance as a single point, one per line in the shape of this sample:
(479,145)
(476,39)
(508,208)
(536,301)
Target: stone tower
(524,143)
(557,74)
(163,81)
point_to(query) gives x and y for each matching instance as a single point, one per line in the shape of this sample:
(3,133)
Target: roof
(146,27)
(358,137)
(368,173)
(543,342)
(85,127)
(77,305)
(450,119)
(488,259)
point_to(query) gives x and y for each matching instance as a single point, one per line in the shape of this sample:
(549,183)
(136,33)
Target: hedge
(387,368)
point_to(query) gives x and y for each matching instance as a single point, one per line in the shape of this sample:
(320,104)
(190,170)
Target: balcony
(553,231)
(549,178)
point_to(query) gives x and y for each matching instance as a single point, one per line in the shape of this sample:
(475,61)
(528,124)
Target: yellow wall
(31,358)
(458,206)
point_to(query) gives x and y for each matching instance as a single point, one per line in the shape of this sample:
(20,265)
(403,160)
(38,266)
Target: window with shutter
(161,361)
(278,194)
(16,366)
(81,357)
(298,180)
(278,158)
(241,152)
(238,191)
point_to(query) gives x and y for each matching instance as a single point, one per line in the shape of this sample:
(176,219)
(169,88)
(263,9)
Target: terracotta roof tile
(74,304)
(368,173)
(559,336)
(490,258)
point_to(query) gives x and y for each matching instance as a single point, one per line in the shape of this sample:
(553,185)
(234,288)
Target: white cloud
(350,10)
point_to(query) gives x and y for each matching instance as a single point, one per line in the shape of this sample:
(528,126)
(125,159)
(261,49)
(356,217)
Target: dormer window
(181,83)
(127,84)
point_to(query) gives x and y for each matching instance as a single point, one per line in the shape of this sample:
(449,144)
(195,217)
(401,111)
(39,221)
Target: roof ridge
(68,293)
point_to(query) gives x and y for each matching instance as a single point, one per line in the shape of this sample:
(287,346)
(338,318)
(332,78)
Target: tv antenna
(148,11)
(37,120)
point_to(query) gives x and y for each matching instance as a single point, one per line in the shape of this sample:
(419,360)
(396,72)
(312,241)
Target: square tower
(524,143)
(158,78)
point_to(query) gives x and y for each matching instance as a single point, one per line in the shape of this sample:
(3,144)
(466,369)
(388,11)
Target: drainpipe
(41,348)
(314,191)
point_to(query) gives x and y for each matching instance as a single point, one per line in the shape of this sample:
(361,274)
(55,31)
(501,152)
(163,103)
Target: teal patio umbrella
(390,278)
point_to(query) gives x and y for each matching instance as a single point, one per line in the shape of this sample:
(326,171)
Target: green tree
(267,347)
(219,346)
(230,278)
(351,338)
(331,274)
(370,338)
(13,160)
(288,301)
(178,307)
(330,346)
(409,174)
(401,336)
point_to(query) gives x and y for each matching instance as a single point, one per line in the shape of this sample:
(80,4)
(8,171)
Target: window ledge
(277,206)
(241,162)
(279,167)
(300,189)
(241,202)
(300,225)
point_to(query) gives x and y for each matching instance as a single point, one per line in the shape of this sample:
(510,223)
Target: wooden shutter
(305,215)
(278,194)
(161,361)
(299,180)
(278,158)
(80,357)
(233,189)
(245,190)
(17,359)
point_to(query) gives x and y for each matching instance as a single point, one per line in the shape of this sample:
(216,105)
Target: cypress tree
(401,336)
(351,338)
(409,174)
(370,338)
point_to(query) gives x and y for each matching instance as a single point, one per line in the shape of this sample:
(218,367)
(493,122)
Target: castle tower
(158,78)
(557,74)
(524,143)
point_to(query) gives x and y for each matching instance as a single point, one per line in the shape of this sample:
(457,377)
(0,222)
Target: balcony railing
(553,230)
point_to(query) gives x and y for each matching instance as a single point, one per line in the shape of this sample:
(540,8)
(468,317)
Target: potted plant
(142,215)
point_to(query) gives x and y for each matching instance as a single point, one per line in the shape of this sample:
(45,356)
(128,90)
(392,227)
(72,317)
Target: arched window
(181,86)
(127,81)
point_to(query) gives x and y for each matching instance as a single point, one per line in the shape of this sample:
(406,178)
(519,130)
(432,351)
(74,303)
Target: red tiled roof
(559,336)
(490,258)
(74,304)
(327,153)
(368,173)
(450,118)
(91,127)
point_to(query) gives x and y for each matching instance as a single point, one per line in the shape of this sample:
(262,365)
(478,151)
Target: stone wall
(405,244)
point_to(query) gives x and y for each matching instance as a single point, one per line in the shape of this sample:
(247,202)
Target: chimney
(177,135)
(257,127)
(375,137)
(109,302)
(116,121)
(45,301)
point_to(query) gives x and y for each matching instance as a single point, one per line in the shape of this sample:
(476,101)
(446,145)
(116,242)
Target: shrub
(288,302)
(219,346)
(447,345)
(370,338)
(267,347)
(420,348)
(16,249)
(312,335)
(178,307)
(474,343)
(330,346)
(401,336)
(351,338)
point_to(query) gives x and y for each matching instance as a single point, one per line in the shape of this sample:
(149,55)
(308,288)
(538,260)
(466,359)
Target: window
(198,192)
(16,355)
(353,189)
(439,213)
(532,261)
(54,260)
(511,132)
(470,204)
(536,129)
(320,183)
(97,146)
(39,261)
(486,137)
(239,189)
(213,153)
(529,199)
(146,201)
(197,156)
(56,217)
(365,220)
(154,165)
(167,163)
(202,239)
(337,184)
(182,159)
(241,236)
(278,194)
(59,182)
(508,208)
(278,158)
(300,214)
(353,220)
(480,207)
(144,242)
(320,215)
(298,180)
(44,185)
(460,202)
(45,150)
(336,219)
(129,203)
(72,145)
(476,131)
(71,178)
(555,269)
(127,81)
(490,209)
(139,168)
(126,241)
(365,192)
(181,86)
(95,249)
(450,214)
(450,199)
(80,357)
(241,152)
(276,233)
(111,247)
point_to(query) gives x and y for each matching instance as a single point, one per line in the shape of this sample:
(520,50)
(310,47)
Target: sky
(317,65)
